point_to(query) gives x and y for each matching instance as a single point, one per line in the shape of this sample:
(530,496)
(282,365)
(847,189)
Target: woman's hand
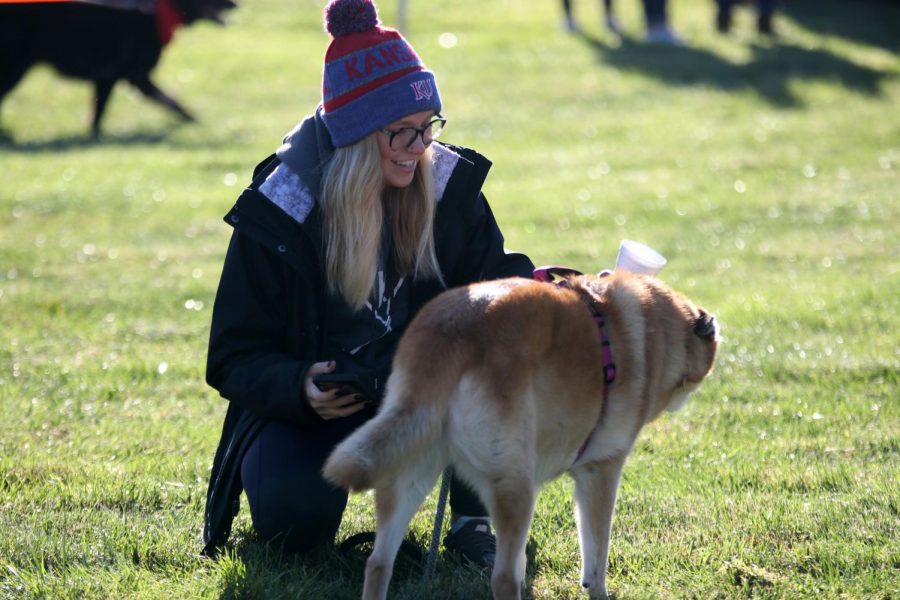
(327,403)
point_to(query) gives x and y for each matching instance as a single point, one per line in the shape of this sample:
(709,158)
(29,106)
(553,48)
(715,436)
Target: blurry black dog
(102,42)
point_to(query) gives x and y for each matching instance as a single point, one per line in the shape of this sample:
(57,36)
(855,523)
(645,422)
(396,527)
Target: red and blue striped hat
(372,76)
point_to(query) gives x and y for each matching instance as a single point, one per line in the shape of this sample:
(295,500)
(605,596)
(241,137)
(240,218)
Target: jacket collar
(306,150)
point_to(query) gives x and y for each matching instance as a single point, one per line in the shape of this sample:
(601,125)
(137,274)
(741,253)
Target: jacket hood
(306,150)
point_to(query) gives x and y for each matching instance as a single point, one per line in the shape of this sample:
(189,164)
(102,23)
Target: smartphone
(347,383)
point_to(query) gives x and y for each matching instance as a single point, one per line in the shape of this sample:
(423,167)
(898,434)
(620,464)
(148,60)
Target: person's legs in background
(723,15)
(765,9)
(657,18)
(570,24)
(612,23)
(609,19)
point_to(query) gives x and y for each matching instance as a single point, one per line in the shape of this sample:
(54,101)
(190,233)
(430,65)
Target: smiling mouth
(406,164)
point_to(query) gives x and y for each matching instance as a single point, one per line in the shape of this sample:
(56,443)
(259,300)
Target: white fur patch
(444,162)
(286,190)
(490,290)
(680,397)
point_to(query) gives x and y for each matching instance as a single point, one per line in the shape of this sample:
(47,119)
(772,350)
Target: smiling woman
(403,143)
(357,220)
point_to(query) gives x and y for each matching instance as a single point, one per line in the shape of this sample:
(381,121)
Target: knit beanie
(372,76)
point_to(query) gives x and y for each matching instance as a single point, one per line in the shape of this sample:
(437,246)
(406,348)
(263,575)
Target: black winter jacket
(269,313)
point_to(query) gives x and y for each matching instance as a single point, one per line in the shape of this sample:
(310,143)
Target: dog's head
(678,337)
(208,10)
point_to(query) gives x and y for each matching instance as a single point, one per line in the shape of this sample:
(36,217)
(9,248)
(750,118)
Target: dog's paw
(598,593)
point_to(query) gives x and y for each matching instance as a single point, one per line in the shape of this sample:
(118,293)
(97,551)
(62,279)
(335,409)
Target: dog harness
(546,275)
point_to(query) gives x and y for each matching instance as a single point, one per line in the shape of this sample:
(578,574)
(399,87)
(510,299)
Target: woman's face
(399,163)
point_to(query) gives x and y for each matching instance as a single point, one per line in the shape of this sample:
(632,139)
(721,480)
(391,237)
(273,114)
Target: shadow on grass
(769,73)
(132,139)
(871,22)
(251,569)
(80,142)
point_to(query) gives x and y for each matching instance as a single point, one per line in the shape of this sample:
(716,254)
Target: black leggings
(291,505)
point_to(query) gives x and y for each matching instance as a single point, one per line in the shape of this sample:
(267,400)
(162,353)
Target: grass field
(767,171)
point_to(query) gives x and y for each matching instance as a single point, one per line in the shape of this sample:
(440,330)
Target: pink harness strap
(546,274)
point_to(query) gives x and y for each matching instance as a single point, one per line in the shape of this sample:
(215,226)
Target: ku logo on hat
(422,88)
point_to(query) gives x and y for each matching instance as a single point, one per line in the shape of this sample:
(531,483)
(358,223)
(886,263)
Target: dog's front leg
(596,485)
(102,89)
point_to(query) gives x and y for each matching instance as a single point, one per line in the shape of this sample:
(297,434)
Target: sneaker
(660,34)
(613,25)
(473,543)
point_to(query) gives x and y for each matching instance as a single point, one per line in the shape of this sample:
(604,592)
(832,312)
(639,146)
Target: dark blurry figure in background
(610,19)
(101,42)
(655,13)
(658,30)
(764,11)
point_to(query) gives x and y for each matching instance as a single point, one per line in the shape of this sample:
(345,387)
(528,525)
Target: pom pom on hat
(343,17)
(371,76)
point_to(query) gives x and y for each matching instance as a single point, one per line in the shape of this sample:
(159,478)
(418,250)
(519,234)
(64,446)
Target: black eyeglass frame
(420,132)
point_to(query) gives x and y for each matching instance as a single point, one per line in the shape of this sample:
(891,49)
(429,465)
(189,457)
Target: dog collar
(168,19)
(546,274)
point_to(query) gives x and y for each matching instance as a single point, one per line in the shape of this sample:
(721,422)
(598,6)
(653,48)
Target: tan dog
(504,380)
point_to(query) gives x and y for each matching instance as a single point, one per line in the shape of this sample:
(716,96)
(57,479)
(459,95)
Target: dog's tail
(411,421)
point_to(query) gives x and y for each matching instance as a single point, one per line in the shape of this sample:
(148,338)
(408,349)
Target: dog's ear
(706,326)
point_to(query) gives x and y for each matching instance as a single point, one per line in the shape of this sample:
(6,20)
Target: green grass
(765,170)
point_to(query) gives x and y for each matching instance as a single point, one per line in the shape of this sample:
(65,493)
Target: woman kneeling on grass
(358,219)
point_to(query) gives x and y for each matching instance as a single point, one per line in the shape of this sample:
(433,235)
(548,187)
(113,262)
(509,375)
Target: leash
(431,559)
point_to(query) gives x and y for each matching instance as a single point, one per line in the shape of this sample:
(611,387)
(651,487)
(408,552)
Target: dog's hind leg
(511,504)
(596,485)
(396,501)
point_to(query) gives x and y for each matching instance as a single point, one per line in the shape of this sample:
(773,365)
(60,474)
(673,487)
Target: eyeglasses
(405,137)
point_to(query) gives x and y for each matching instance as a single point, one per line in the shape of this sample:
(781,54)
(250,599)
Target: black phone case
(351,381)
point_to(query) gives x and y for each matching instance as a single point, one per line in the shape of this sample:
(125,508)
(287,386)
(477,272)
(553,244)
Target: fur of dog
(504,381)
(98,43)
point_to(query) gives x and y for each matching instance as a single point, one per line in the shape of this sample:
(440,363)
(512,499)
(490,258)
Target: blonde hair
(355,204)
